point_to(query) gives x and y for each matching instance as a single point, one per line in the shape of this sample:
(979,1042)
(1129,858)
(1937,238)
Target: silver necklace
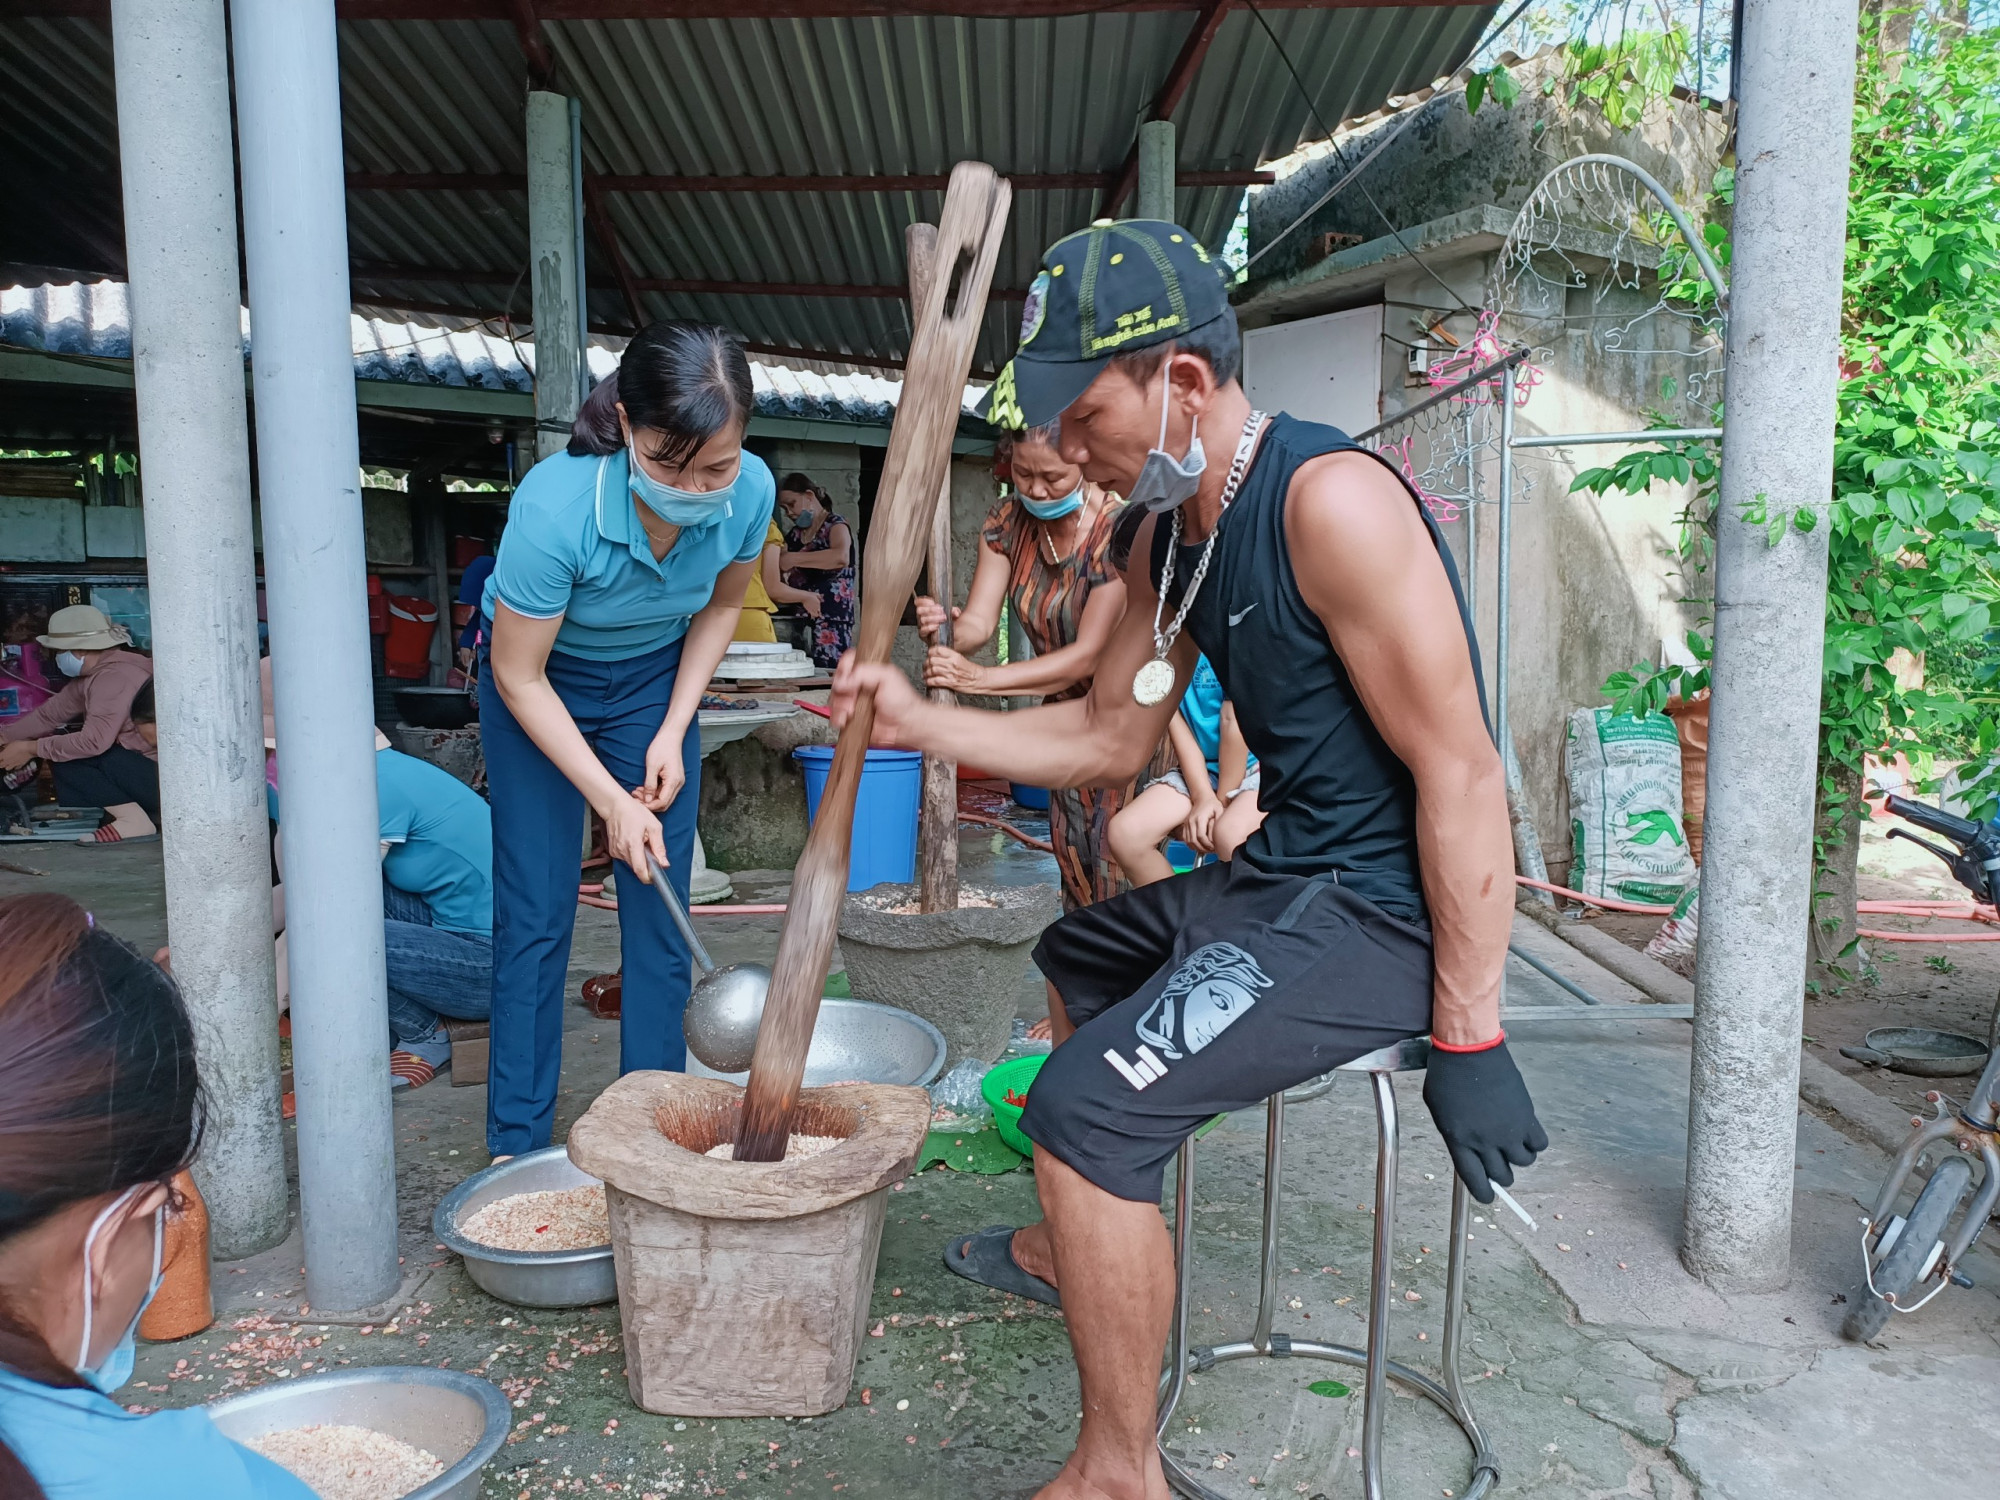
(1153,681)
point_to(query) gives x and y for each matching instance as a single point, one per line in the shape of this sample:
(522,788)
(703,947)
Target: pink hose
(1952,911)
(1608,905)
(1927,937)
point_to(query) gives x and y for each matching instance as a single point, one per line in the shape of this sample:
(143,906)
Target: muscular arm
(838,549)
(1366,566)
(1103,739)
(1071,664)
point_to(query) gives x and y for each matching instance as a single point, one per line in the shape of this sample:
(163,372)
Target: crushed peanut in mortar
(797,1146)
(966,902)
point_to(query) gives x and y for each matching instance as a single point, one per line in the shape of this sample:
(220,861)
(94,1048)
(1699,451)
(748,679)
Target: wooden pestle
(913,471)
(937,827)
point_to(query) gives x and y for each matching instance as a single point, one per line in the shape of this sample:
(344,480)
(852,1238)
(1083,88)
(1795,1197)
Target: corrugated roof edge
(94,320)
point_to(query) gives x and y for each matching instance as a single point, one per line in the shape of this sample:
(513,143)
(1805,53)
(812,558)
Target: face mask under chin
(1164,482)
(1055,510)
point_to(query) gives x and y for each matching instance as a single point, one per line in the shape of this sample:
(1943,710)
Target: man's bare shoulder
(1349,519)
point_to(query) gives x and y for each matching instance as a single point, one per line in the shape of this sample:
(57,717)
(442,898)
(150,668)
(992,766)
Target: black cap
(1121,284)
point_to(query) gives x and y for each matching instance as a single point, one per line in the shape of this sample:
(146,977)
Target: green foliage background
(1914,558)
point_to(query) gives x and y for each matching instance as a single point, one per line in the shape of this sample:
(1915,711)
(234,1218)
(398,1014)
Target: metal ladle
(726,1005)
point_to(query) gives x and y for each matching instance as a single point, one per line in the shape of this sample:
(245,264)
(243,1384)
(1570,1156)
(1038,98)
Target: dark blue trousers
(537,860)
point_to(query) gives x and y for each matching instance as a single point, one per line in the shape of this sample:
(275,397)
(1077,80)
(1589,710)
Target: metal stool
(1380,1066)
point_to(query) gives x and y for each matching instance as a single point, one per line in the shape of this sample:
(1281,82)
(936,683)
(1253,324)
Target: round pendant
(1153,682)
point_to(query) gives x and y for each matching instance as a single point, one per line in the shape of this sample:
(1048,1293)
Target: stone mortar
(959,970)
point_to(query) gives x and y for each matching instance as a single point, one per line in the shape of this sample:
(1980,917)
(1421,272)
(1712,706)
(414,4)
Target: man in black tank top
(1375,902)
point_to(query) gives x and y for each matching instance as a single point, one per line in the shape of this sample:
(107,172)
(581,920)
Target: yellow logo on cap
(1003,409)
(1132,325)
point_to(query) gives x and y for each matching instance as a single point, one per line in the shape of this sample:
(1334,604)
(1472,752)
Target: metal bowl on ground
(455,1417)
(435,707)
(526,1278)
(858,1041)
(1921,1051)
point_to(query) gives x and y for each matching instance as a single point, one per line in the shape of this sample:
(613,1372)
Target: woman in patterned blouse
(819,559)
(1046,551)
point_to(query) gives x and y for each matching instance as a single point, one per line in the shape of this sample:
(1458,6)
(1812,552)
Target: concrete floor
(1597,1366)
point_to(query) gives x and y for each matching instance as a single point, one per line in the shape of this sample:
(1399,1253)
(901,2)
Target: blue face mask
(116,1367)
(1055,510)
(683,508)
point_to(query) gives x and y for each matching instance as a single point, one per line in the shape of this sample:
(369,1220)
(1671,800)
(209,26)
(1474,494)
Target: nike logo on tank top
(1334,794)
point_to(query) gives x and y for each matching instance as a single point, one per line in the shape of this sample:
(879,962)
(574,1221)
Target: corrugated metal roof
(907,94)
(94,320)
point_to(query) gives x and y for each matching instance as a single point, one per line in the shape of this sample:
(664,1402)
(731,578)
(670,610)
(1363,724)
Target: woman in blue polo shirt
(617,589)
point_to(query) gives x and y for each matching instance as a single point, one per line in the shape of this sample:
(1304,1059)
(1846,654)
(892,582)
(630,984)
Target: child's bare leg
(1239,820)
(1140,827)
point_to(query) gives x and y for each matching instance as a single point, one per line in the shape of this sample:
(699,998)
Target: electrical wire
(1409,118)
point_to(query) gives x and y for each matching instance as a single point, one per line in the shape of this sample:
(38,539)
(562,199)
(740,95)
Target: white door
(1325,369)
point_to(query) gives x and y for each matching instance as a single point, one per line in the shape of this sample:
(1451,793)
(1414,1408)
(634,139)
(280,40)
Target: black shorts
(1206,993)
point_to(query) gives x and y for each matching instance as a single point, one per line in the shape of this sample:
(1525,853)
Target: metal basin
(860,1041)
(1927,1053)
(456,1417)
(526,1278)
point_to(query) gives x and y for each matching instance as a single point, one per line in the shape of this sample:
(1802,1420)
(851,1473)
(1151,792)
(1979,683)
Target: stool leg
(1484,1460)
(1177,1349)
(1454,1295)
(1376,1387)
(1267,1283)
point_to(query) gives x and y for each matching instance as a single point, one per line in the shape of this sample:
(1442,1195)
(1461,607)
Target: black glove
(1483,1111)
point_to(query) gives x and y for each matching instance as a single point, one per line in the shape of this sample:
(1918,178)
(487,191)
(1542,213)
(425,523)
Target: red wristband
(1478,1047)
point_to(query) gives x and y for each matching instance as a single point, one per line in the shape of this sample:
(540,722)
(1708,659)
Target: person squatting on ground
(1211,796)
(105,761)
(100,1106)
(1375,902)
(1045,552)
(617,588)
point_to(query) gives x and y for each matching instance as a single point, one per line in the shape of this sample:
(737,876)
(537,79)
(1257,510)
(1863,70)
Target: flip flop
(108,835)
(988,1258)
(407,1070)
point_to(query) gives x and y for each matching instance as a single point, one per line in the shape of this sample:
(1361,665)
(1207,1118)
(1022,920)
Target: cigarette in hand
(1508,1198)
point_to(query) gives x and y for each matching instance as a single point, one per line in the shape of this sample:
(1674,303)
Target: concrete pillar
(295,239)
(172,77)
(1797,101)
(1156,170)
(555,245)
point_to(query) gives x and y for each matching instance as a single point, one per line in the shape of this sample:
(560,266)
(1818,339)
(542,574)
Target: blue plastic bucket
(1034,798)
(884,846)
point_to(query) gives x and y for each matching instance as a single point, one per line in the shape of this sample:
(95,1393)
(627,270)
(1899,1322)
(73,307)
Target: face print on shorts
(1216,984)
